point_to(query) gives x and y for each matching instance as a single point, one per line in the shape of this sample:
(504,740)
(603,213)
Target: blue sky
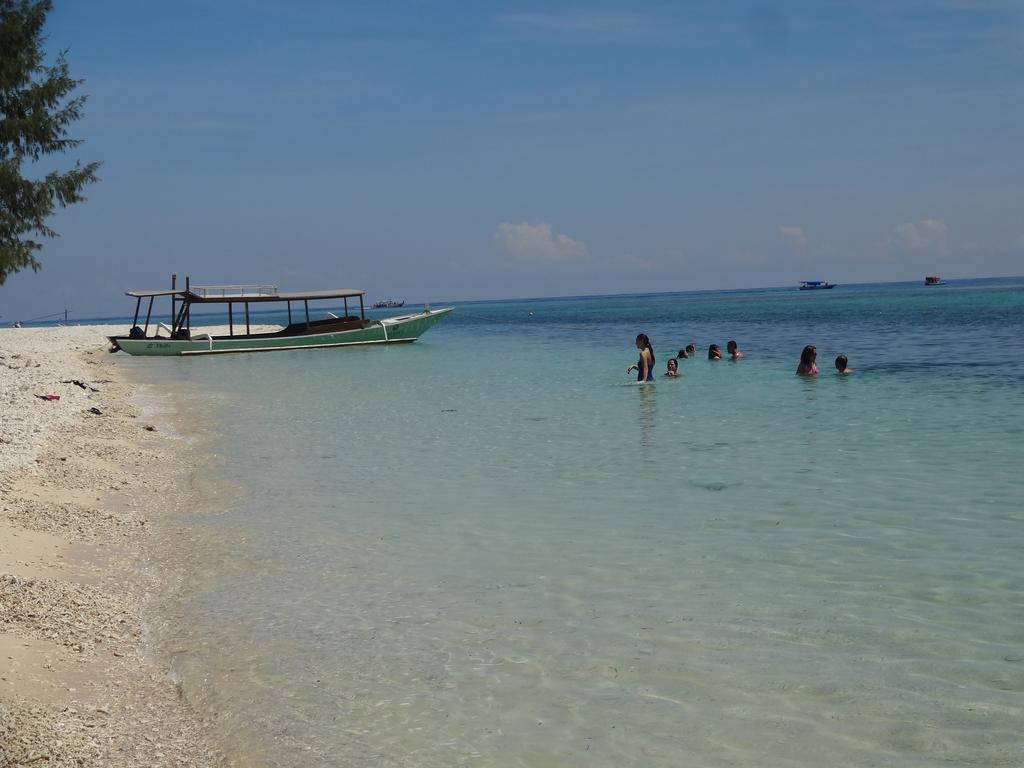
(442,151)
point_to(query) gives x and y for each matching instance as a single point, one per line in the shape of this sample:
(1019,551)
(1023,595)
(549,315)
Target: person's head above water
(807,358)
(841,363)
(673,365)
(730,346)
(644,344)
(714,353)
(682,354)
(691,349)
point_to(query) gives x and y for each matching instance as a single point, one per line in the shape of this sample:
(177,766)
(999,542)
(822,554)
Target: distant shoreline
(122,321)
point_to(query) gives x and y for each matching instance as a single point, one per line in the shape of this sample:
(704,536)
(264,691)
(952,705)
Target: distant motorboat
(388,304)
(816,285)
(934,280)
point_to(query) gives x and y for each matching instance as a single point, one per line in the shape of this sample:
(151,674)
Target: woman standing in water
(808,366)
(645,365)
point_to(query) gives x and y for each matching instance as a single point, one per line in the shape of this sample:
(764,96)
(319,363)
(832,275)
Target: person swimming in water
(808,366)
(733,350)
(673,368)
(645,365)
(683,354)
(714,352)
(841,363)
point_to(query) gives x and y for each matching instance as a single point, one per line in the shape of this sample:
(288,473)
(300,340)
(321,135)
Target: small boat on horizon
(301,332)
(934,280)
(816,285)
(387,304)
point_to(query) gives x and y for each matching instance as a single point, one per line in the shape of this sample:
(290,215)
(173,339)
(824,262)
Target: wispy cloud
(927,233)
(535,242)
(936,24)
(794,235)
(590,27)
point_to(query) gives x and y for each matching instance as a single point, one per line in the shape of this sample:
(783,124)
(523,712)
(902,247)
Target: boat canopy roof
(222,294)
(148,294)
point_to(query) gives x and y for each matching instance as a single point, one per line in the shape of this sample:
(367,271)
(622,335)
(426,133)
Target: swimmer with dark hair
(673,368)
(841,363)
(733,350)
(714,352)
(645,365)
(808,366)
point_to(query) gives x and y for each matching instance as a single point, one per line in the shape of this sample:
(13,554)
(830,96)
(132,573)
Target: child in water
(841,368)
(808,366)
(673,368)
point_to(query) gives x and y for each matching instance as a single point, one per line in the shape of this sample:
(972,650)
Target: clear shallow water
(489,548)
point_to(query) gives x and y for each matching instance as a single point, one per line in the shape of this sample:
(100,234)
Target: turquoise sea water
(492,548)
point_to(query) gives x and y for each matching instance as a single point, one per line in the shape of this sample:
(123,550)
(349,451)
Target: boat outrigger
(301,332)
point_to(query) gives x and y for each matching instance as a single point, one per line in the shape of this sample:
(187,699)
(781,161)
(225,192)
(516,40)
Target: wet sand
(82,479)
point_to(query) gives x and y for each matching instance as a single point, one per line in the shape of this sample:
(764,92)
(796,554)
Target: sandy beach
(82,476)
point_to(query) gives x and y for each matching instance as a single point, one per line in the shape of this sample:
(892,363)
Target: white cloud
(795,234)
(534,242)
(927,233)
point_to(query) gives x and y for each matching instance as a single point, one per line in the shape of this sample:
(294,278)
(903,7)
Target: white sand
(74,688)
(34,361)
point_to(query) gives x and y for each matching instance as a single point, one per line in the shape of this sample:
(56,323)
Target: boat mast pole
(306,302)
(231,323)
(138,305)
(148,313)
(174,283)
(186,310)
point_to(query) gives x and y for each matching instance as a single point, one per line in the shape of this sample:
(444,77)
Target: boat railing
(233,291)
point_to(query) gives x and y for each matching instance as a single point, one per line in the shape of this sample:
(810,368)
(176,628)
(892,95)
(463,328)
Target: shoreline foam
(80,490)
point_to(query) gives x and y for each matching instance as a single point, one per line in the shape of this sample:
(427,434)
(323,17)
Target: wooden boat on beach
(301,332)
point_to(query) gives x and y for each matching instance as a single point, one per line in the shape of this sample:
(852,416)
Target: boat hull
(392,330)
